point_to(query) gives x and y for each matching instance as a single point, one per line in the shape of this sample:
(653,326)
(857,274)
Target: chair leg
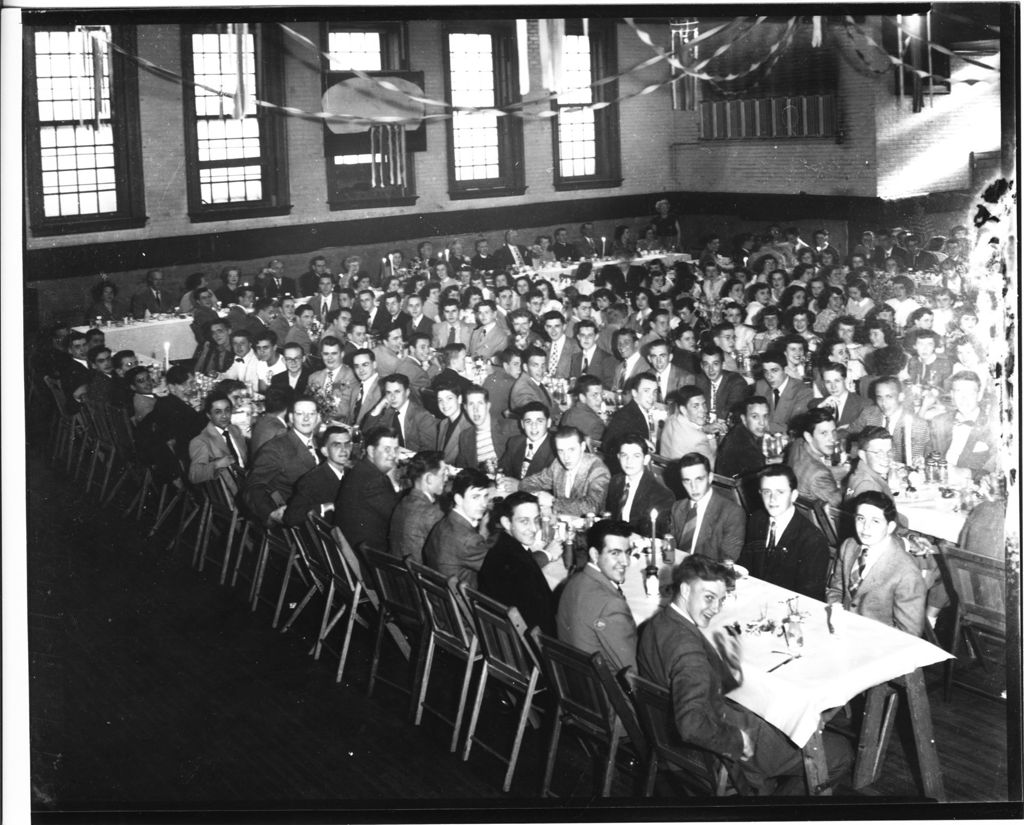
(549,763)
(261,567)
(467,678)
(300,607)
(609,766)
(652,773)
(353,616)
(520,730)
(475,715)
(293,554)
(227,548)
(375,663)
(423,666)
(242,542)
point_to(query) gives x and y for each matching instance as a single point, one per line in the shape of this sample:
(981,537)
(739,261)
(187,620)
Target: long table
(148,338)
(863,655)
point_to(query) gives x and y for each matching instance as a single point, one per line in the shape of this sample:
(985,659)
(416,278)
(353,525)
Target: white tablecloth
(148,337)
(932,514)
(831,670)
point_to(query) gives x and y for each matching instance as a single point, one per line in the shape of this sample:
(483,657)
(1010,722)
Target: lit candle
(602,246)
(654,528)
(167,354)
(447,254)
(384,263)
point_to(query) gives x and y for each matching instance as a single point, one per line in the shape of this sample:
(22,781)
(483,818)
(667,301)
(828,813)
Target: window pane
(355,50)
(472,80)
(576,69)
(577,146)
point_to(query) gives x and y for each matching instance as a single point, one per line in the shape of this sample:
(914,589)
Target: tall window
(586,141)
(237,167)
(83,160)
(485,151)
(351,182)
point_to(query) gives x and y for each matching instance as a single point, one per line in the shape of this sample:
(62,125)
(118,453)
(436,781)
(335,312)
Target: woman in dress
(666,227)
(623,244)
(105,304)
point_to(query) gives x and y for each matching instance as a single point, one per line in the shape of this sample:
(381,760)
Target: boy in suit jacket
(576,484)
(706,522)
(588,358)
(846,406)
(219,445)
(787,397)
(296,373)
(532,451)
(415,427)
(964,436)
(723,390)
(635,492)
(316,491)
(455,546)
(585,414)
(366,496)
(483,427)
(152,297)
(875,576)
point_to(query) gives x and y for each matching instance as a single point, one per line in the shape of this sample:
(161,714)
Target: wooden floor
(155,689)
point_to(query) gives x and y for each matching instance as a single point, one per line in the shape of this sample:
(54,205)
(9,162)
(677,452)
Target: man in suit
(389,351)
(740,451)
(589,358)
(587,246)
(585,414)
(875,576)
(367,496)
(887,249)
(220,443)
(317,490)
(523,335)
(301,331)
(451,330)
(846,406)
(574,485)
(919,259)
(964,436)
(626,343)
(335,378)
(510,253)
(511,570)
(455,546)
(633,418)
(325,301)
(271,424)
(560,348)
(593,614)
(787,397)
(74,370)
(309,282)
(874,458)
(562,249)
(489,338)
(100,385)
(281,462)
(272,283)
(706,522)
(419,509)
(621,277)
(240,313)
(635,492)
(172,420)
(670,377)
(482,260)
(152,297)
(368,392)
(452,421)
(724,391)
(415,427)
(532,451)
(367,309)
(500,381)
(529,385)
(674,653)
(888,411)
(391,317)
(417,365)
(487,436)
(418,322)
(782,546)
(297,372)
(810,456)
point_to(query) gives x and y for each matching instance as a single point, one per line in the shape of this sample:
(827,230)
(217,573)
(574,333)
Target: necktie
(775,396)
(885,422)
(312,450)
(398,429)
(277,282)
(239,361)
(330,379)
(358,404)
(231,447)
(157,294)
(651,427)
(553,356)
(620,378)
(857,574)
(623,513)
(527,457)
(585,365)
(485,445)
(324,307)
(660,396)
(770,544)
(689,529)
(451,333)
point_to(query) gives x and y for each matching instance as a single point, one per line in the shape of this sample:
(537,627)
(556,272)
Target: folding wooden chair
(447,630)
(68,430)
(510,660)
(816,511)
(581,703)
(730,488)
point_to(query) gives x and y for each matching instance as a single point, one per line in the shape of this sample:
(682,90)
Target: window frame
(607,152)
(505,65)
(127,140)
(269,47)
(394,58)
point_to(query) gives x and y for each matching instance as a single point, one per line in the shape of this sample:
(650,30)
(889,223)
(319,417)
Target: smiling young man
(367,495)
(593,614)
(532,451)
(455,546)
(740,451)
(317,490)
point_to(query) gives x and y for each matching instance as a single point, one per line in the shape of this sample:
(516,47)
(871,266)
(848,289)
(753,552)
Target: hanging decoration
(551,46)
(684,87)
(98,56)
(816,34)
(240,99)
(522,48)
(387,156)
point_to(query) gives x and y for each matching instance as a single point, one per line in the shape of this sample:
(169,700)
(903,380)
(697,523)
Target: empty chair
(581,702)
(510,660)
(448,631)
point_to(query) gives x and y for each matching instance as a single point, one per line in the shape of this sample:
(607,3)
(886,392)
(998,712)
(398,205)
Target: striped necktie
(857,574)
(527,458)
(485,445)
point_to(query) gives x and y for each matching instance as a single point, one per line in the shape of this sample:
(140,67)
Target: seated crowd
(447,407)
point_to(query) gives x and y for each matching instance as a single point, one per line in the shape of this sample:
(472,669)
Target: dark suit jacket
(502,257)
(897,252)
(366,499)
(564,252)
(794,399)
(602,366)
(525,390)
(852,409)
(499,386)
(801,557)
(448,436)
(721,530)
(501,431)
(455,548)
(72,376)
(738,452)
(814,477)
(145,299)
(650,495)
(419,432)
(892,592)
(731,391)
(423,325)
(511,463)
(411,523)
(281,379)
(981,450)
(318,486)
(266,287)
(594,616)
(171,419)
(280,463)
(629,420)
(266,427)
(586,421)
(510,575)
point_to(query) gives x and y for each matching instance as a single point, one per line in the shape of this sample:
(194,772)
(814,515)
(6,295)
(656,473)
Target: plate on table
(921,495)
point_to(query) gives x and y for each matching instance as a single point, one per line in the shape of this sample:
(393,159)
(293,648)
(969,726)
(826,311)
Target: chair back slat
(440,601)
(395,587)
(59,398)
(502,635)
(730,488)
(575,683)
(814,510)
(980,585)
(122,434)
